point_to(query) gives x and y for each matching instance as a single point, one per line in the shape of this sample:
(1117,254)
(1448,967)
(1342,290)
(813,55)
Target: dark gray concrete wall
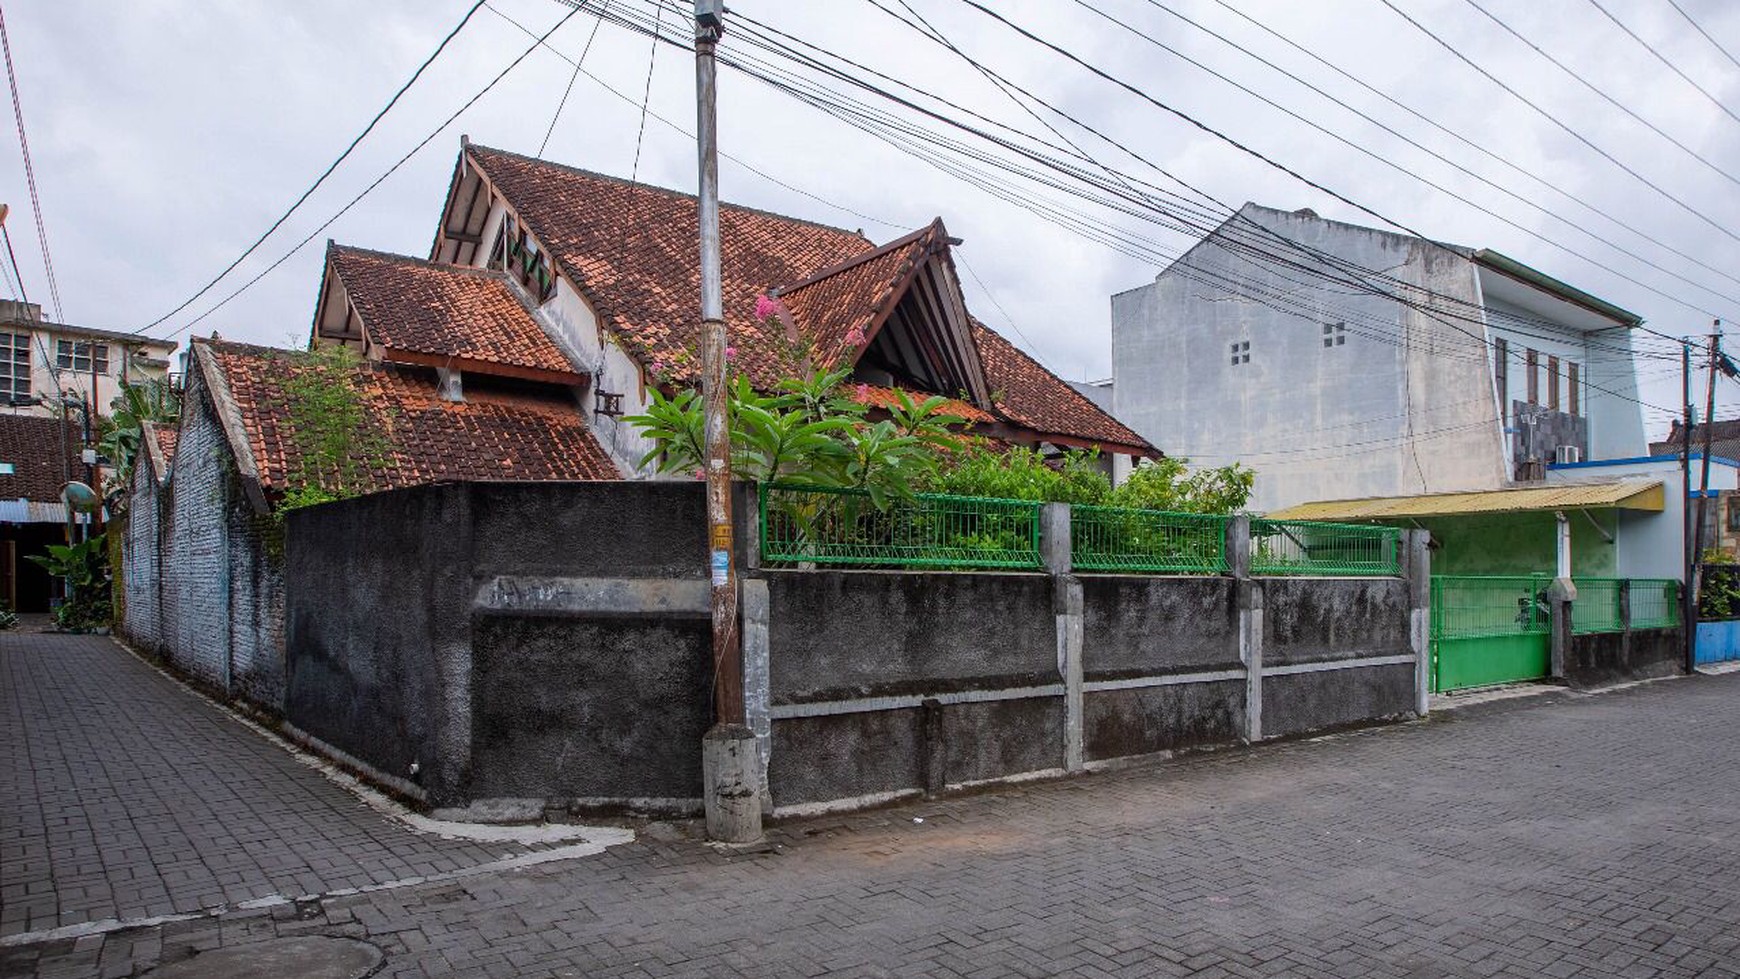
(1308,620)
(1144,720)
(378,632)
(589,709)
(1299,702)
(1135,625)
(842,634)
(1615,657)
(609,530)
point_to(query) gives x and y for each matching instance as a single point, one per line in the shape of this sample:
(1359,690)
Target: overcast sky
(167,134)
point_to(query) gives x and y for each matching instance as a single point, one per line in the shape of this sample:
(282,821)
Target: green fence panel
(1655,603)
(1106,538)
(1489,629)
(1596,608)
(1304,547)
(805,525)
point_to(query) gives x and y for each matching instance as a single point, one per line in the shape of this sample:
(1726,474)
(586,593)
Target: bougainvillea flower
(766,307)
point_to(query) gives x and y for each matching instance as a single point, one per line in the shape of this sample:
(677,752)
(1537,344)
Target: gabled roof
(493,434)
(156,448)
(632,251)
(38,447)
(445,315)
(885,398)
(1031,396)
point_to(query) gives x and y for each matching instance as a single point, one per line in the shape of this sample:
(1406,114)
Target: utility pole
(1704,479)
(730,759)
(1687,606)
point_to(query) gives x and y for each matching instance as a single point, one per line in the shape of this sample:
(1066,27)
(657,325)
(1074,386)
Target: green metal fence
(1596,608)
(1489,629)
(827,526)
(1655,603)
(1302,547)
(1104,538)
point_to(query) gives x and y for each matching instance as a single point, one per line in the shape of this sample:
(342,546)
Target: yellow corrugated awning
(1628,494)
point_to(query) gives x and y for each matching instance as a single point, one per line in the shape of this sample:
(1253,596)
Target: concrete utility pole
(1686,598)
(729,758)
(1697,578)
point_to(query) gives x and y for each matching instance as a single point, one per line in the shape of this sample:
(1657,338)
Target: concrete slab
(307,957)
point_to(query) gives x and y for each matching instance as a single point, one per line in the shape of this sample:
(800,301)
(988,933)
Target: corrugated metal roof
(31,511)
(1628,494)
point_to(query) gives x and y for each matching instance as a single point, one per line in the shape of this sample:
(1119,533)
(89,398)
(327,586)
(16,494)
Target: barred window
(1334,334)
(1241,352)
(517,254)
(75,355)
(14,365)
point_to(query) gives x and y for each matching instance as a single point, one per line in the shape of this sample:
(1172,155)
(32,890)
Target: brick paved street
(1556,836)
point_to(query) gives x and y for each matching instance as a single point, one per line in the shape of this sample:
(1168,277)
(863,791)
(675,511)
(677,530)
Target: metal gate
(1489,629)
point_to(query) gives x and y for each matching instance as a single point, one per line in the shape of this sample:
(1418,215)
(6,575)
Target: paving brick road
(1560,836)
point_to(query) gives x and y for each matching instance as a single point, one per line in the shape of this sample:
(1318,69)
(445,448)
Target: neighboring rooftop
(28,443)
(16,313)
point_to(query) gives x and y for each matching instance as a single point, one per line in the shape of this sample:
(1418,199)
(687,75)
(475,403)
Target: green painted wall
(1518,543)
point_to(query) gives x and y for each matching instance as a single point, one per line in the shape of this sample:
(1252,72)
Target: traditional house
(614,269)
(38,455)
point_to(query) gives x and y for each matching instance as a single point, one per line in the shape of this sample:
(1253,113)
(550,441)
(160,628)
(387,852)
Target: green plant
(85,569)
(8,618)
(339,445)
(1167,484)
(1719,586)
(121,434)
(1020,473)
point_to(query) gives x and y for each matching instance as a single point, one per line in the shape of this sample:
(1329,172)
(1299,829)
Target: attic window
(518,255)
(1241,352)
(1334,334)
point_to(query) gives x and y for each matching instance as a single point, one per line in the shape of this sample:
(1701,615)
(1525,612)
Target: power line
(1700,29)
(1664,60)
(1574,134)
(190,300)
(570,86)
(378,180)
(1591,86)
(30,177)
(652,59)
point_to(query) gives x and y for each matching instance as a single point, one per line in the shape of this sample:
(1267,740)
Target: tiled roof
(1029,395)
(445,311)
(831,304)
(166,439)
(28,442)
(157,450)
(423,439)
(881,397)
(634,250)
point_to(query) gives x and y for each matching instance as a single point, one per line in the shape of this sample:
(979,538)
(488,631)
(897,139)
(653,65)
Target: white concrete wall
(1651,545)
(44,382)
(1404,406)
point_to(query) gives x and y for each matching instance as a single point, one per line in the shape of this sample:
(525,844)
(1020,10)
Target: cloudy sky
(168,134)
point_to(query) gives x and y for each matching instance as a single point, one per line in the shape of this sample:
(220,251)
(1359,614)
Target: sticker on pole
(721,566)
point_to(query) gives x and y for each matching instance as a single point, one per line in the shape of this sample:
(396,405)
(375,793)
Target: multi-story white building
(1345,362)
(42,362)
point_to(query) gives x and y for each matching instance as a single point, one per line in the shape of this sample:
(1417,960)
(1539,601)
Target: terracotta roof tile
(417,307)
(29,443)
(166,439)
(634,250)
(881,397)
(1031,396)
(490,435)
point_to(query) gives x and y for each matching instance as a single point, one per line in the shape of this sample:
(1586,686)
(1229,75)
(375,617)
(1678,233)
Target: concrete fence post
(1054,531)
(1419,565)
(1068,606)
(1561,596)
(1249,595)
(758,678)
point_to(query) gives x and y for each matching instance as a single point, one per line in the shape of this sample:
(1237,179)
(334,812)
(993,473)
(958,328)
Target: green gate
(1489,629)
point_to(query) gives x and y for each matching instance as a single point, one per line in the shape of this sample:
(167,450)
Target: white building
(42,362)
(1344,362)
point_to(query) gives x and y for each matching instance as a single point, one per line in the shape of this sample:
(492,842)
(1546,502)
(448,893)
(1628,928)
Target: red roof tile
(1031,396)
(38,460)
(632,250)
(445,311)
(493,434)
(166,439)
(881,397)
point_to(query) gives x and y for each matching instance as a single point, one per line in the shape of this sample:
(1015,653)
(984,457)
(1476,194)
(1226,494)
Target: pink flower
(700,474)
(659,366)
(730,353)
(766,307)
(855,338)
(863,392)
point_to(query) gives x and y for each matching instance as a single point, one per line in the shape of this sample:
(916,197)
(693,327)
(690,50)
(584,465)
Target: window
(1534,376)
(1572,395)
(1553,383)
(1334,334)
(1501,377)
(75,355)
(1241,352)
(14,365)
(518,255)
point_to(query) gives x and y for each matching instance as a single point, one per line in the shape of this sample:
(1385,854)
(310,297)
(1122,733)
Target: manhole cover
(310,957)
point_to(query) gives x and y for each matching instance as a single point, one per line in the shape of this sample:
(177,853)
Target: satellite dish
(79,498)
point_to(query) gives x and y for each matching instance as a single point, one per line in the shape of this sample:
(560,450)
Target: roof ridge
(474,270)
(656,188)
(851,263)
